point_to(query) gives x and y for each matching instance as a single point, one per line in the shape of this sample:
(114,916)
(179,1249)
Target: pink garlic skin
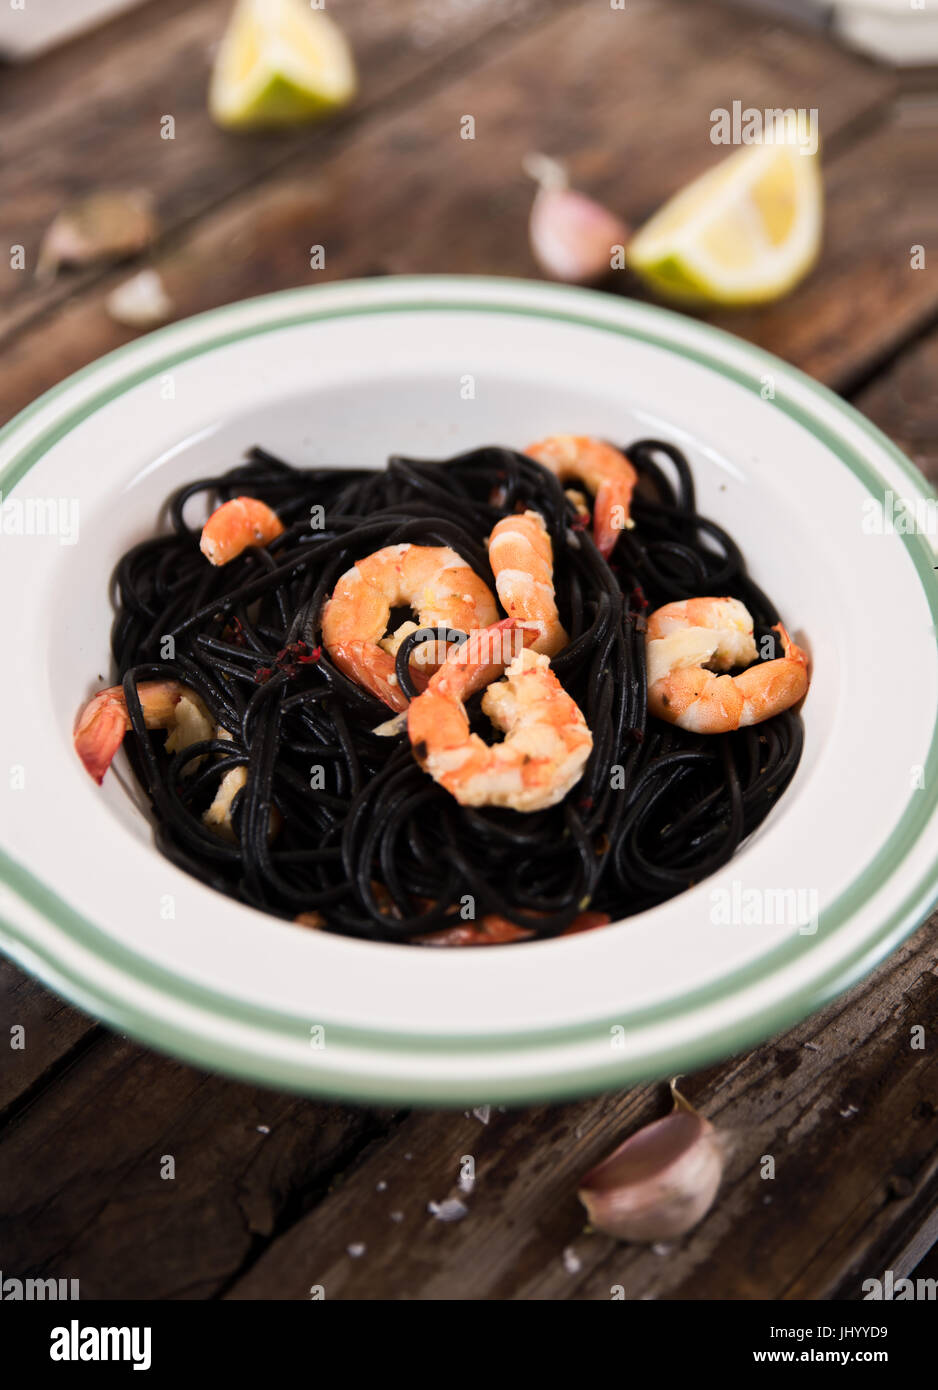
(660,1182)
(572,237)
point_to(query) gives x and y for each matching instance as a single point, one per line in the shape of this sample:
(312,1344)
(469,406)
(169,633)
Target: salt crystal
(571,1261)
(381,1186)
(661,1248)
(483,1113)
(356,1251)
(397,1216)
(263,1129)
(452,1209)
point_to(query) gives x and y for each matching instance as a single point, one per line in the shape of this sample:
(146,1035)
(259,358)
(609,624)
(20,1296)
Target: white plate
(345,375)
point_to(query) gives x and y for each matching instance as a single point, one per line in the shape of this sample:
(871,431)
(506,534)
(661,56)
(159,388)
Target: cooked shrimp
(684,638)
(432,579)
(491,931)
(546,743)
(104,721)
(235,525)
(102,724)
(494,930)
(522,561)
(605,471)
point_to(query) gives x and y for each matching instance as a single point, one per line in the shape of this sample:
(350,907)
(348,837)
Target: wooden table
(271,1190)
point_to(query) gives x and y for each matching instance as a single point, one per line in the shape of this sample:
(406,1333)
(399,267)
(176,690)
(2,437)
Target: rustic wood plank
(903,400)
(88,1197)
(842,1103)
(90,114)
(80,1172)
(52,1033)
(407,194)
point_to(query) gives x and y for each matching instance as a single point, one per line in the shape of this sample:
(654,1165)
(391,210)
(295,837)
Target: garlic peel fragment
(573,238)
(661,1181)
(106,226)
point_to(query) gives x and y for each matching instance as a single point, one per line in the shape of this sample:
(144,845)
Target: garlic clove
(106,226)
(573,238)
(661,1181)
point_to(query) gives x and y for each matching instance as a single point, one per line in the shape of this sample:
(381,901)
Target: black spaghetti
(337,820)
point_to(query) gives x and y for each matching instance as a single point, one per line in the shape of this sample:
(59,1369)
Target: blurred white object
(899,31)
(140,302)
(41,24)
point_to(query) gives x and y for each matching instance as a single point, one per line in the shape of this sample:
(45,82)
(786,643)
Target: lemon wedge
(281,62)
(743,233)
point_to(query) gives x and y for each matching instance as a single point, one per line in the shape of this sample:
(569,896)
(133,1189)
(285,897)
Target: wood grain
(406,194)
(82,1173)
(90,115)
(843,1103)
(903,400)
(851,1121)
(52,1034)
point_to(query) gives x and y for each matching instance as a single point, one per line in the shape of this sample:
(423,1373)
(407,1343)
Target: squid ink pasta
(279,765)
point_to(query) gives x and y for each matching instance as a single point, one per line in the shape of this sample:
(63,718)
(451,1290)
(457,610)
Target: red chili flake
(288,657)
(263,674)
(586,803)
(638,597)
(579,523)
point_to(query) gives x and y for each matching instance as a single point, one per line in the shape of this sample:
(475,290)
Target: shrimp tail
(774,685)
(484,657)
(99,733)
(604,469)
(790,647)
(102,724)
(611,515)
